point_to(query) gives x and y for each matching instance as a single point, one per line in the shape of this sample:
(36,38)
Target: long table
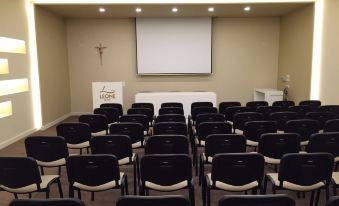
(186,98)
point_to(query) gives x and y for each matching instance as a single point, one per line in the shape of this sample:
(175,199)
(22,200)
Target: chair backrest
(132,130)
(304,127)
(97,122)
(284,105)
(231,111)
(209,117)
(240,119)
(282,117)
(118,145)
(112,114)
(46,148)
(145,111)
(168,200)
(166,169)
(324,142)
(207,128)
(144,105)
(92,170)
(254,130)
(170,118)
(136,118)
(277,145)
(242,168)
(315,104)
(267,110)
(172,104)
(113,105)
(224,105)
(74,133)
(330,108)
(306,169)
(333,201)
(177,128)
(332,125)
(256,200)
(171,110)
(224,143)
(200,104)
(167,144)
(47,202)
(253,105)
(322,117)
(301,110)
(16,172)
(202,110)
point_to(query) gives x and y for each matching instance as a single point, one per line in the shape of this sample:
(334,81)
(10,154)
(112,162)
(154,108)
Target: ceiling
(164,10)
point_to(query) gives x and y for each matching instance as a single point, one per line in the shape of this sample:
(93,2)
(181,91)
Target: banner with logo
(106,92)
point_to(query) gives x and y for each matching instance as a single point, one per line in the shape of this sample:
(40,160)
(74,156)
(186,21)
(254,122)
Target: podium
(268,95)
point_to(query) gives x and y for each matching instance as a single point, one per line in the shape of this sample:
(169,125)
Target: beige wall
(14,24)
(53,65)
(245,56)
(330,54)
(295,52)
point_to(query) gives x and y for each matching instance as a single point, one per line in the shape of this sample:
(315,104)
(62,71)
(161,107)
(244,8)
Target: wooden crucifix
(100,49)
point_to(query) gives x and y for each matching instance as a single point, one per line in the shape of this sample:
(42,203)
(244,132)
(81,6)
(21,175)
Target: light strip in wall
(9,45)
(13,86)
(4,66)
(5,109)
(317,47)
(35,83)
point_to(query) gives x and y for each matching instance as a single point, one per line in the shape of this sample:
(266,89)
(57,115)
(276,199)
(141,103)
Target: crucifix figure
(100,48)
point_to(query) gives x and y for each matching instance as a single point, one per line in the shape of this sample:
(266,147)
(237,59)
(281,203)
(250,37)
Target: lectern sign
(106,92)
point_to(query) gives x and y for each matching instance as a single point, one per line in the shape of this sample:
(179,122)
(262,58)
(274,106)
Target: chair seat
(336,159)
(55,163)
(78,146)
(106,186)
(209,158)
(233,188)
(101,133)
(252,143)
(335,178)
(238,131)
(201,143)
(126,160)
(304,143)
(280,132)
(270,160)
(138,144)
(166,188)
(292,186)
(45,181)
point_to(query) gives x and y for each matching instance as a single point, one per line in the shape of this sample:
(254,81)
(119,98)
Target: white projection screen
(174,45)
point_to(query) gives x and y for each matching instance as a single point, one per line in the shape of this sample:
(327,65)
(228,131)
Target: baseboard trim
(51,124)
(17,138)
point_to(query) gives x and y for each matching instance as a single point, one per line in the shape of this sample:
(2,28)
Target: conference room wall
(330,61)
(295,52)
(244,57)
(53,65)
(14,24)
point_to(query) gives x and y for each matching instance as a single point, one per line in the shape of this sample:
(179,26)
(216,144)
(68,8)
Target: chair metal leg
(47,193)
(208,195)
(203,192)
(312,198)
(265,185)
(134,178)
(79,194)
(201,169)
(327,193)
(81,151)
(334,190)
(60,188)
(191,195)
(92,196)
(30,195)
(317,197)
(126,186)
(15,195)
(71,191)
(42,170)
(59,170)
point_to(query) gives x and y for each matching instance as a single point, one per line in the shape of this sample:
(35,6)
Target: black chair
(224,105)
(315,104)
(172,104)
(256,200)
(77,135)
(167,144)
(48,151)
(144,105)
(303,173)
(254,130)
(231,111)
(145,111)
(332,125)
(169,200)
(138,118)
(240,119)
(49,202)
(170,118)
(209,117)
(95,173)
(333,201)
(20,175)
(111,114)
(253,105)
(177,128)
(321,117)
(284,104)
(133,130)
(330,108)
(220,143)
(274,146)
(113,105)
(304,127)
(166,172)
(97,122)
(282,117)
(171,110)
(207,128)
(245,172)
(202,110)
(121,147)
(200,104)
(267,110)
(301,110)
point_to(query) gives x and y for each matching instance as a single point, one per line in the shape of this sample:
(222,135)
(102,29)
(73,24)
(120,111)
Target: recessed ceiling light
(247,8)
(138,10)
(102,10)
(211,9)
(175,9)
